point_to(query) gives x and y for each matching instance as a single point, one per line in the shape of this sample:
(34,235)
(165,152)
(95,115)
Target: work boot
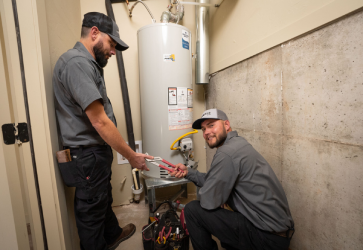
(127,232)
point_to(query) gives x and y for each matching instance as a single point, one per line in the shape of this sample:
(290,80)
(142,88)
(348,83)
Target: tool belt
(168,232)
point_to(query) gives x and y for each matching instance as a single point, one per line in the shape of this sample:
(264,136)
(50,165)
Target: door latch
(15,133)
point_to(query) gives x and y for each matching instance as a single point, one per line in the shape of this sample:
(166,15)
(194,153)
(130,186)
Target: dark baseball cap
(210,114)
(106,25)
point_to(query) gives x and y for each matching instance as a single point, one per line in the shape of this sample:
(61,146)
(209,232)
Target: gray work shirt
(77,82)
(242,178)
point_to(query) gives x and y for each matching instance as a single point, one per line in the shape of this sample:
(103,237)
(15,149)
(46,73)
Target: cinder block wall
(301,106)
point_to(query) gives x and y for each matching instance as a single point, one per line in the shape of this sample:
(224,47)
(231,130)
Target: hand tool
(148,226)
(157,158)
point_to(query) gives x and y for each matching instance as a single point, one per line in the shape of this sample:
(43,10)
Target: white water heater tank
(165,68)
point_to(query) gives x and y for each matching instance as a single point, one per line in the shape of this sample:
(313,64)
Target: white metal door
(15,215)
(31,173)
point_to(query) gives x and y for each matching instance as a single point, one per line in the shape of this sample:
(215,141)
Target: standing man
(88,128)
(242,179)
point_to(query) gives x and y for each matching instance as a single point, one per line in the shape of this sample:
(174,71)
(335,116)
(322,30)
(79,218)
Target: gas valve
(186,144)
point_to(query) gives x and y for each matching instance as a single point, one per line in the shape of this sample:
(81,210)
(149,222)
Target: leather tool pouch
(68,168)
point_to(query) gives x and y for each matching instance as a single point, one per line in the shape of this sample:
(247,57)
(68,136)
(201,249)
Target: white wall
(59,28)
(242,28)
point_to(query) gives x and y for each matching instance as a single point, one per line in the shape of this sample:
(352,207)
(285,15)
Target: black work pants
(96,222)
(231,228)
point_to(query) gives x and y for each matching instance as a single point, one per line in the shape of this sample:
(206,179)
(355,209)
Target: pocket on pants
(87,164)
(69,174)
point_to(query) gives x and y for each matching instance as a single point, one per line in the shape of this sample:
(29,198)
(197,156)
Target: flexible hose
(181,137)
(147,8)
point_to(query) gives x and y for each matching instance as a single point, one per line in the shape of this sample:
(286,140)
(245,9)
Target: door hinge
(15,133)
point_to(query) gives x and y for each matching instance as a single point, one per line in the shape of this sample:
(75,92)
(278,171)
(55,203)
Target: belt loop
(80,151)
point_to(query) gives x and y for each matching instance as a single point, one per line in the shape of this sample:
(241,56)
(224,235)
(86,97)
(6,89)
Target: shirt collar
(79,46)
(231,135)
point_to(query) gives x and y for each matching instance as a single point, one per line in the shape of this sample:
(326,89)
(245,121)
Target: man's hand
(138,161)
(108,131)
(179,174)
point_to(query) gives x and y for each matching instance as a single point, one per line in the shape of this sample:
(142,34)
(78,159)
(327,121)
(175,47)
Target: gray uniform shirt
(77,82)
(242,178)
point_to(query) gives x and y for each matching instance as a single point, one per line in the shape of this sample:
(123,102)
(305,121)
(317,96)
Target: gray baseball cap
(210,114)
(106,25)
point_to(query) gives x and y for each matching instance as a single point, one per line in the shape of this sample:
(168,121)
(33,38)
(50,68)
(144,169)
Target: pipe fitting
(169,17)
(180,11)
(165,17)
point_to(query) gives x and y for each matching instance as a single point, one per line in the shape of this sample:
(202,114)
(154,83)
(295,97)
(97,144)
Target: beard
(100,54)
(219,139)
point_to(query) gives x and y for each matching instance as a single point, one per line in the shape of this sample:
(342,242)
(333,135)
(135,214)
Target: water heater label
(180,115)
(172,96)
(182,97)
(190,98)
(185,39)
(169,57)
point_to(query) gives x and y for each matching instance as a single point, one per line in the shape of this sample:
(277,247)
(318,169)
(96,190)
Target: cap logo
(206,113)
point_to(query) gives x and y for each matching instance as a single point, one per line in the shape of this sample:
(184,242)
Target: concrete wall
(241,28)
(300,105)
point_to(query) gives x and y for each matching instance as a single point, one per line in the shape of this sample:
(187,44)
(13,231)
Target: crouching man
(240,178)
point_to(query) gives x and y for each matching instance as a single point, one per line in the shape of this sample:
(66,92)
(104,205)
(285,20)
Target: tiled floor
(138,214)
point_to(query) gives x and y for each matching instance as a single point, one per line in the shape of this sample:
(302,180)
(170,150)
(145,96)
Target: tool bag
(162,235)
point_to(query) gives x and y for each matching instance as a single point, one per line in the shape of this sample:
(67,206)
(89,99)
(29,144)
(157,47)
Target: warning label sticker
(185,39)
(182,97)
(179,115)
(169,57)
(172,96)
(180,118)
(190,98)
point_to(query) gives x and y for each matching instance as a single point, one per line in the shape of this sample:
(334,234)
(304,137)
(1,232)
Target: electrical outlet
(122,160)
